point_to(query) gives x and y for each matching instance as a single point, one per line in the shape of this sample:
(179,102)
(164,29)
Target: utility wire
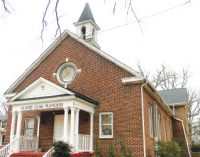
(147,17)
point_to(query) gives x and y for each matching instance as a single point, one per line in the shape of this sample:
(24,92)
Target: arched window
(83,32)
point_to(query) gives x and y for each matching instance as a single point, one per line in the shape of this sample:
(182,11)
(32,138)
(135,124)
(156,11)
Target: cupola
(86,26)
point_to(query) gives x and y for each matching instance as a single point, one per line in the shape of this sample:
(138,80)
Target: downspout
(143,127)
(184,135)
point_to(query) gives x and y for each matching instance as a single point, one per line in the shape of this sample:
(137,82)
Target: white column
(77,128)
(72,126)
(12,130)
(18,132)
(19,124)
(91,131)
(38,132)
(65,133)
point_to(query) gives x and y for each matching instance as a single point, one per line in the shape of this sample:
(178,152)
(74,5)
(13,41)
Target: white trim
(91,130)
(143,126)
(100,130)
(70,101)
(84,22)
(9,95)
(38,131)
(12,129)
(177,104)
(132,80)
(184,135)
(65,128)
(19,124)
(77,111)
(42,100)
(54,45)
(35,83)
(72,129)
(61,68)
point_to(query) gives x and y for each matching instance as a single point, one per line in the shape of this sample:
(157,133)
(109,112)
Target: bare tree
(166,78)
(195,133)
(3,109)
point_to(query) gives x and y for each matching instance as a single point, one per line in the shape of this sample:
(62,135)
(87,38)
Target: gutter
(143,127)
(184,135)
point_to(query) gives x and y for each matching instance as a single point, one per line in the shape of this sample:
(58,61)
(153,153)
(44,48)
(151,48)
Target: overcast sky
(169,34)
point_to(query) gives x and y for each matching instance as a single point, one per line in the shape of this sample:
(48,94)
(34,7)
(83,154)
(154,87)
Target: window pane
(30,123)
(29,132)
(107,130)
(3,124)
(3,139)
(106,119)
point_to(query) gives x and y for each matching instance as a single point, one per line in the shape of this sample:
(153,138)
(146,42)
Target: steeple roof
(86,14)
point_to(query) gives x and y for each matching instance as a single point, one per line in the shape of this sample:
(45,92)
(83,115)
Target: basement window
(106,125)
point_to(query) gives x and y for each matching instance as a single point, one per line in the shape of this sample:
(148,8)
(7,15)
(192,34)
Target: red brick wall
(179,136)
(181,113)
(101,80)
(84,123)
(148,100)
(8,124)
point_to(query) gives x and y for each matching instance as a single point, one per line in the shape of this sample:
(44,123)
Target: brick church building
(77,93)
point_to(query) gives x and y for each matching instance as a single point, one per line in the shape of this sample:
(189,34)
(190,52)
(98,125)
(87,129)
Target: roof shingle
(174,96)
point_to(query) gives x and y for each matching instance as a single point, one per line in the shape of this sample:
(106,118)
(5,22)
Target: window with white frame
(164,123)
(169,129)
(106,125)
(151,120)
(158,126)
(29,127)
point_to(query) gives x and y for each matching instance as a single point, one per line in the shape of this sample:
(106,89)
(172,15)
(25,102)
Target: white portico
(44,96)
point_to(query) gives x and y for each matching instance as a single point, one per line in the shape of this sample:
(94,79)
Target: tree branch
(5,6)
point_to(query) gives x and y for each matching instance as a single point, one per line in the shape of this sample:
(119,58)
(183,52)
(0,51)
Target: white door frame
(56,117)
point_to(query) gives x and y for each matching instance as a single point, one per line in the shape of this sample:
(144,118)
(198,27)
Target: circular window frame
(61,68)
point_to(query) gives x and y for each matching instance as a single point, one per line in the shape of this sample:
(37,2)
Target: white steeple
(86,26)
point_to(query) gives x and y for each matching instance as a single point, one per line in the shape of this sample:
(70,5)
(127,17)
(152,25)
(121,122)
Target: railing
(80,142)
(84,142)
(50,151)
(7,150)
(21,143)
(28,143)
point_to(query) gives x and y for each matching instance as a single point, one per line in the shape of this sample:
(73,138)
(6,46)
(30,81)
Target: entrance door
(59,126)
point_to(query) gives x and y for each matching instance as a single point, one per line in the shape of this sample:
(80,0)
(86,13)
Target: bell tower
(86,26)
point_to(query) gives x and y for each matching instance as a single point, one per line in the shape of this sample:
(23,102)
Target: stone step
(28,154)
(40,154)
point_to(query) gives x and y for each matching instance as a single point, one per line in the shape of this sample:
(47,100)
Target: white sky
(170,37)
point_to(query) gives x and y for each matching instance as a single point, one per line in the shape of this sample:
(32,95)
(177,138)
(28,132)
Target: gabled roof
(175,97)
(42,88)
(51,48)
(86,14)
(39,89)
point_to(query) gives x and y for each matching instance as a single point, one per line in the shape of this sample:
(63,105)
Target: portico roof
(44,89)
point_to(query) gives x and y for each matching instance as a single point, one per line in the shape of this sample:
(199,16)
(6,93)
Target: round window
(66,73)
